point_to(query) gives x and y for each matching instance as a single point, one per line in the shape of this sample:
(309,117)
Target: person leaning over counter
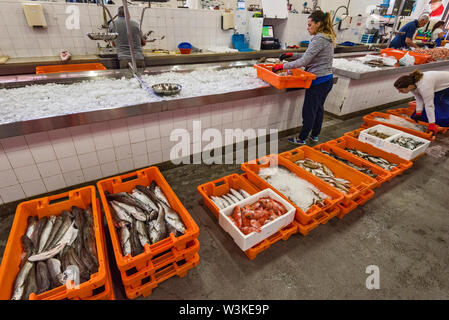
(407,32)
(122,44)
(318,60)
(431,90)
(438,32)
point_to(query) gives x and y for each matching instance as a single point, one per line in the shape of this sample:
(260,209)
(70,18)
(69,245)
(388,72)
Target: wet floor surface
(403,230)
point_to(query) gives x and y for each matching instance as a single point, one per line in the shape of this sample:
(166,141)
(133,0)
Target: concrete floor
(403,230)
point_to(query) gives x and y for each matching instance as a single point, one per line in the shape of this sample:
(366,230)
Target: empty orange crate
(359,181)
(61,68)
(398,54)
(370,122)
(45,207)
(221,186)
(253,167)
(149,283)
(132,276)
(382,174)
(298,79)
(126,183)
(348,142)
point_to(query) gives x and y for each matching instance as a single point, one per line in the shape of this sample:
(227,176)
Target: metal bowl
(167,89)
(102,36)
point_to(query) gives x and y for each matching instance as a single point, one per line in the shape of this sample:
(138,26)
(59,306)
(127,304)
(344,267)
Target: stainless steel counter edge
(390,71)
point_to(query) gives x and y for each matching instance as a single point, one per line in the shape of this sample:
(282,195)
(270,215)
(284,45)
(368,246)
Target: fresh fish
(158,193)
(217,202)
(119,215)
(244,193)
(407,142)
(364,170)
(137,213)
(79,218)
(156,228)
(237,194)
(136,247)
(384,164)
(142,232)
(233,198)
(151,208)
(84,272)
(54,231)
(125,240)
(379,134)
(65,225)
(31,285)
(173,219)
(38,231)
(229,200)
(54,269)
(67,239)
(32,221)
(171,229)
(225,202)
(28,249)
(89,261)
(89,237)
(20,284)
(46,233)
(42,277)
(127,199)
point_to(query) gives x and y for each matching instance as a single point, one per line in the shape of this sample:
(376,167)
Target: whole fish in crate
(364,170)
(233,196)
(402,123)
(407,142)
(381,162)
(319,170)
(378,134)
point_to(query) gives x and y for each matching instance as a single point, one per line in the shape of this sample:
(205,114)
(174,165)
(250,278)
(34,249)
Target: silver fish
(119,215)
(173,219)
(158,193)
(42,277)
(20,283)
(145,199)
(31,286)
(38,231)
(142,231)
(65,225)
(217,202)
(54,269)
(46,233)
(89,238)
(32,221)
(233,198)
(126,198)
(229,200)
(137,213)
(156,228)
(244,193)
(236,194)
(54,231)
(125,240)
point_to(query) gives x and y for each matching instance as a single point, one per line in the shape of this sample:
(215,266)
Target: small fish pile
(56,248)
(407,142)
(319,170)
(143,217)
(379,134)
(251,218)
(299,191)
(381,162)
(363,169)
(230,198)
(398,121)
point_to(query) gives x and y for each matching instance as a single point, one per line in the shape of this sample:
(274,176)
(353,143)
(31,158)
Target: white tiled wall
(42,162)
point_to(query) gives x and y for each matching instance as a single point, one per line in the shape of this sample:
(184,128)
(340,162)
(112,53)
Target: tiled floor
(403,230)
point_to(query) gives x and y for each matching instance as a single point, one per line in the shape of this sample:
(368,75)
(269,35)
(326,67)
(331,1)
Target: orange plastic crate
(44,207)
(398,54)
(370,122)
(359,181)
(401,112)
(298,79)
(320,219)
(126,183)
(62,68)
(253,167)
(134,277)
(382,174)
(149,283)
(221,186)
(348,142)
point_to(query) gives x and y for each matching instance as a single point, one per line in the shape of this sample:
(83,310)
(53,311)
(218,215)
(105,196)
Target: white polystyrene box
(375,141)
(405,153)
(246,242)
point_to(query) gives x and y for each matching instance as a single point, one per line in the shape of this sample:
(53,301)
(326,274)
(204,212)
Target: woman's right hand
(285,56)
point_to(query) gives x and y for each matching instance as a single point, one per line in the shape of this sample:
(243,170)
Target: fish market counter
(62,130)
(357,92)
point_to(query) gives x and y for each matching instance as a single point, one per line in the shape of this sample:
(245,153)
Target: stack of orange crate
(222,186)
(162,260)
(98,287)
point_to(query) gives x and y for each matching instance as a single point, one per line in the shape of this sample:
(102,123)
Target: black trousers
(313,109)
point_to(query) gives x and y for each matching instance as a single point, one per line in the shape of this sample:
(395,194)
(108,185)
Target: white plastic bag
(407,60)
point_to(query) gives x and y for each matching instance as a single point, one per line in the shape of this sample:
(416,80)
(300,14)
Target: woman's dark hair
(411,79)
(437,25)
(326,23)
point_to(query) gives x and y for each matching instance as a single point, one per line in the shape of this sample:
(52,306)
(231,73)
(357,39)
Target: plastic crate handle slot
(62,198)
(220,183)
(130,178)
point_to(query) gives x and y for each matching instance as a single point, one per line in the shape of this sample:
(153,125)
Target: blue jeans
(441,102)
(313,109)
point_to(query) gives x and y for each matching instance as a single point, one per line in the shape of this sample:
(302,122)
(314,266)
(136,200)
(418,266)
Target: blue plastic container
(185,45)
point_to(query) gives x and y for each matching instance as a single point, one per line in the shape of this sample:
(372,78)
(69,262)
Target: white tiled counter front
(47,161)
